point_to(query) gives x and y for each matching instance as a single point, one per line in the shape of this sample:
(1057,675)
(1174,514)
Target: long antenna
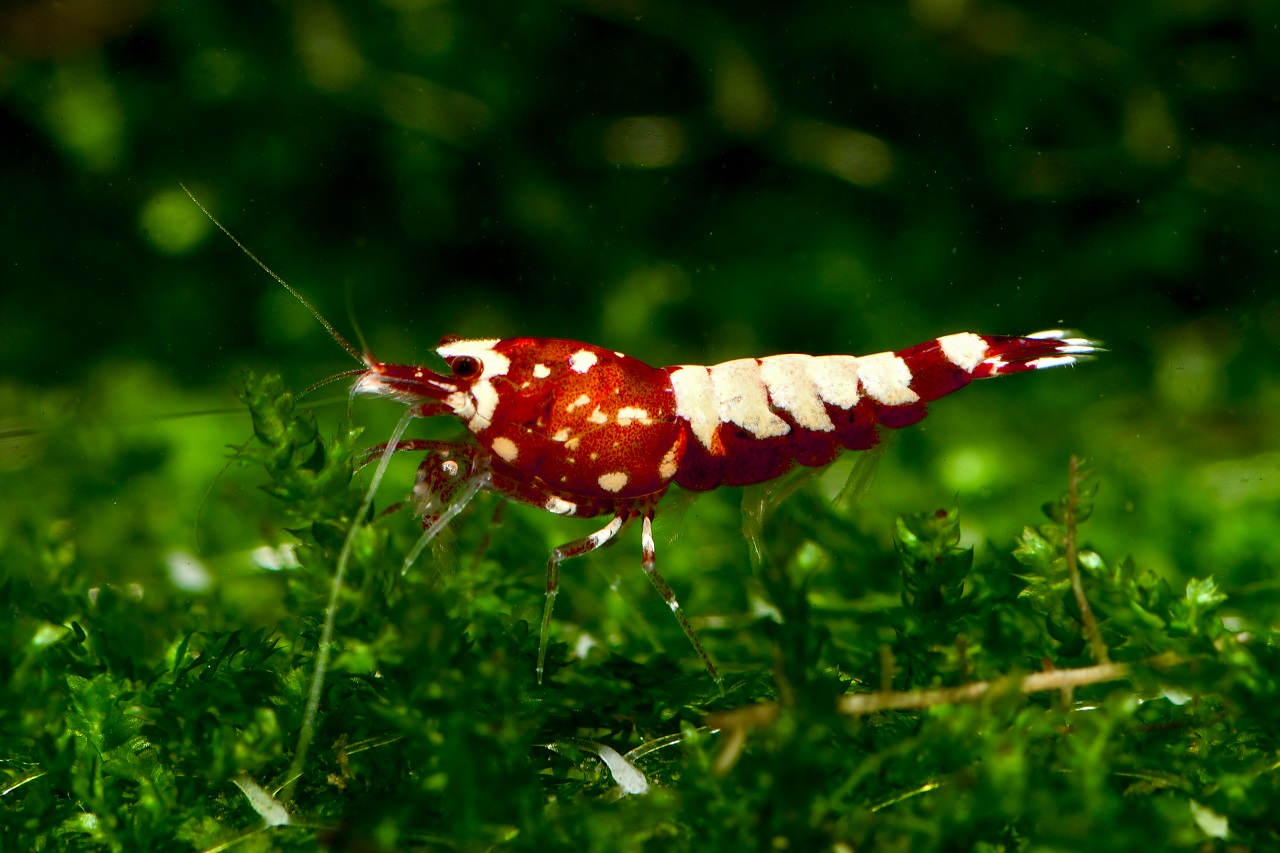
(334,333)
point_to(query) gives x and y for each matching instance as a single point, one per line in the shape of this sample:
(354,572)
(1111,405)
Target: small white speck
(541,371)
(626,774)
(274,812)
(275,559)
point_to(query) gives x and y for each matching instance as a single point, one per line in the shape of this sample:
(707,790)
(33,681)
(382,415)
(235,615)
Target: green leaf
(1035,552)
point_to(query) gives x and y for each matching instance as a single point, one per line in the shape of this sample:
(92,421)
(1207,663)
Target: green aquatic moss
(150,718)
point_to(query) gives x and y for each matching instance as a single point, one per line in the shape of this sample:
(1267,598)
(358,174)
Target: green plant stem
(307,731)
(1091,631)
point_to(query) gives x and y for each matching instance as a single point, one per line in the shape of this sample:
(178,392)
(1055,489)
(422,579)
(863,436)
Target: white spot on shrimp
(742,399)
(886,379)
(495,363)
(628,415)
(613,482)
(835,377)
(573,443)
(559,506)
(965,350)
(792,389)
(667,468)
(582,400)
(541,371)
(582,361)
(464,406)
(486,402)
(449,467)
(696,401)
(478,406)
(598,417)
(505,448)
(562,434)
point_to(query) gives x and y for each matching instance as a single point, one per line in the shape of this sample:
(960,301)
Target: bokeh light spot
(84,116)
(856,157)
(172,224)
(419,104)
(969,470)
(644,142)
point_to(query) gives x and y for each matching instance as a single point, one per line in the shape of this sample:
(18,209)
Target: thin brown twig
(1058,679)
(736,723)
(1036,682)
(887,668)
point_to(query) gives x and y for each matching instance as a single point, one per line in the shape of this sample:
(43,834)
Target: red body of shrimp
(579,430)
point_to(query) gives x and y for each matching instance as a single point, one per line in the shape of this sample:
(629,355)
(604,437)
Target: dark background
(684,182)
(688,183)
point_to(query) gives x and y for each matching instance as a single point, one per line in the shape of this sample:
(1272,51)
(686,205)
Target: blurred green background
(684,182)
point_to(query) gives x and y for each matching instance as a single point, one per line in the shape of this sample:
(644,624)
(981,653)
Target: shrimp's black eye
(465,366)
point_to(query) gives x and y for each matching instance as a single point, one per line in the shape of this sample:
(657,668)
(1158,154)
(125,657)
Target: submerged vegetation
(905,698)
(960,643)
